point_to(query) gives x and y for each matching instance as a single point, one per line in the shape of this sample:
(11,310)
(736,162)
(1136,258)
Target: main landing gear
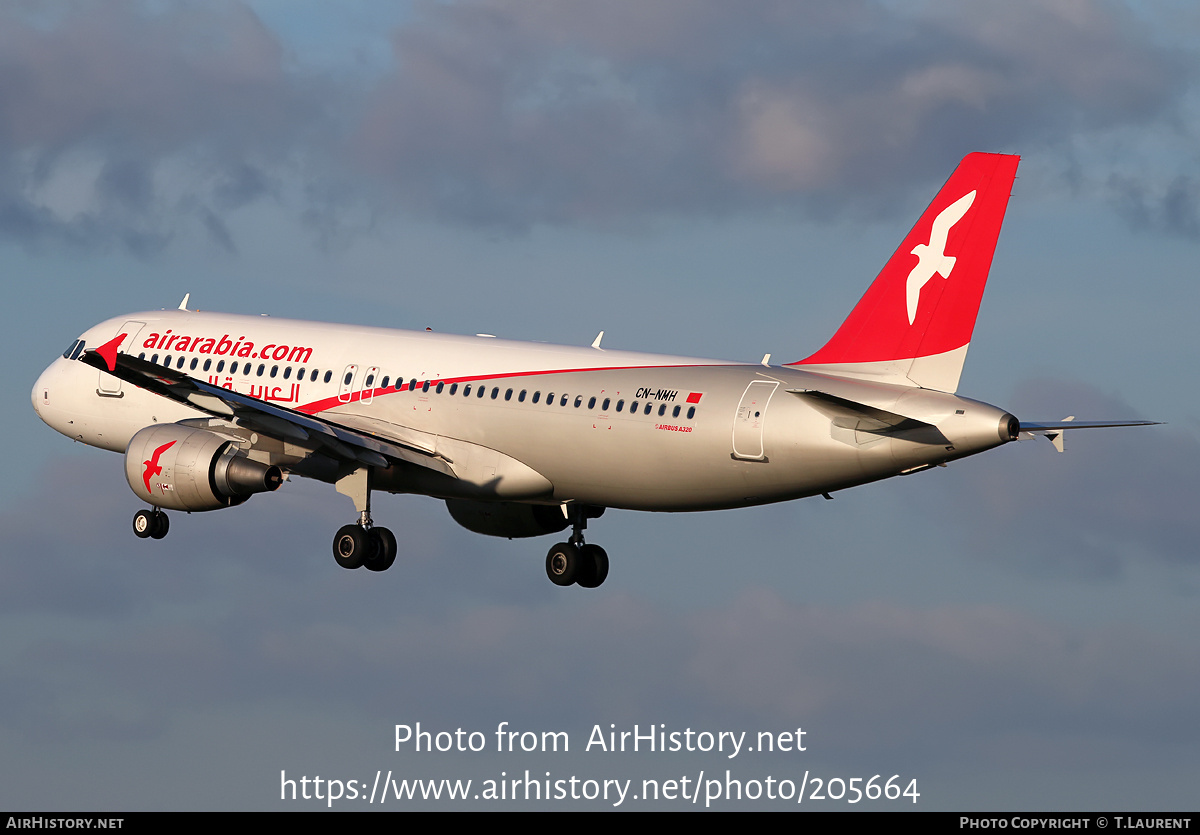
(362,544)
(150,523)
(575,562)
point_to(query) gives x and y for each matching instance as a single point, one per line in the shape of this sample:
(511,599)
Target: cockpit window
(74,350)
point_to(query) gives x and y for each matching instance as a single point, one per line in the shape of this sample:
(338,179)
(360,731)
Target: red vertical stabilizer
(914,323)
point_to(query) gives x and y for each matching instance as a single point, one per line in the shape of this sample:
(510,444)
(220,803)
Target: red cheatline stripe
(332,402)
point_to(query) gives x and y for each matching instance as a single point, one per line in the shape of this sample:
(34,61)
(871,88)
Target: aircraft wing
(341,442)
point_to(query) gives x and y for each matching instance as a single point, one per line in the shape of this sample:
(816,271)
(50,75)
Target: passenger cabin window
(453,389)
(592,403)
(195,362)
(328,376)
(440,386)
(287,372)
(691,412)
(604,405)
(385,382)
(508,395)
(274,370)
(537,395)
(467,390)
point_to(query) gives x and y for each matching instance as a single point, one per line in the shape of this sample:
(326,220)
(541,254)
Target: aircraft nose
(40,393)
(43,391)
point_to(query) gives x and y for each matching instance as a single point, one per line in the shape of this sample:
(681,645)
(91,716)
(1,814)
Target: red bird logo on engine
(152,468)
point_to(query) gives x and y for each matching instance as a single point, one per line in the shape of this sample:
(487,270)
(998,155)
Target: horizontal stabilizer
(1054,432)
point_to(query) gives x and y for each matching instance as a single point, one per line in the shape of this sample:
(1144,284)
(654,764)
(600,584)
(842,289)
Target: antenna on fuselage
(596,341)
(183,304)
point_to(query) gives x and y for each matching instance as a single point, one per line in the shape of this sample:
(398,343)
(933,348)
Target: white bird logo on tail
(933,257)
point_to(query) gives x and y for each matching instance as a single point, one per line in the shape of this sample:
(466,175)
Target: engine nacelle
(180,468)
(508,519)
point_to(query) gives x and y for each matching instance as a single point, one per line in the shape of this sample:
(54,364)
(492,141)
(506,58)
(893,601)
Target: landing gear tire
(593,566)
(161,525)
(563,563)
(384,552)
(352,546)
(150,523)
(143,523)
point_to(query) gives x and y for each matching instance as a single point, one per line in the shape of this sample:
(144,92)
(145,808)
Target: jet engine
(508,519)
(180,468)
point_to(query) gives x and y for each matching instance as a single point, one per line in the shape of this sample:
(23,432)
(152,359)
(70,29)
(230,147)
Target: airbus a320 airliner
(527,439)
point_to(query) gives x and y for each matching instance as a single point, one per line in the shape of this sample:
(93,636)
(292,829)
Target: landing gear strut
(150,523)
(575,562)
(362,544)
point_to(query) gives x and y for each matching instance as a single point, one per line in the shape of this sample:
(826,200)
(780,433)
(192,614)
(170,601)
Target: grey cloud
(126,122)
(117,118)
(219,231)
(519,112)
(1174,209)
(1115,498)
(937,686)
(123,647)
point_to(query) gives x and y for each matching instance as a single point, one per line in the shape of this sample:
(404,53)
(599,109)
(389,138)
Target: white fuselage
(554,423)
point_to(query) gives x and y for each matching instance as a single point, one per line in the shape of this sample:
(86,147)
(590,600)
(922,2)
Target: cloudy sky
(1016,631)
